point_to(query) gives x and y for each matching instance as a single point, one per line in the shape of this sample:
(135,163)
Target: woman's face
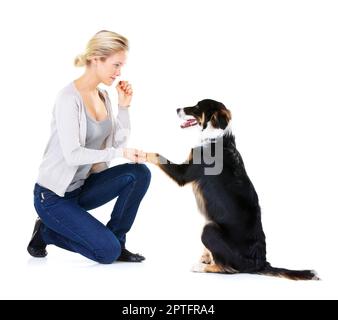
(109,69)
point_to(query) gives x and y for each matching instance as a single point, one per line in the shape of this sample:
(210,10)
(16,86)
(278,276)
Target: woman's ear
(93,61)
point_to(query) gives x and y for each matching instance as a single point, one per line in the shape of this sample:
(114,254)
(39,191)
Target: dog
(233,235)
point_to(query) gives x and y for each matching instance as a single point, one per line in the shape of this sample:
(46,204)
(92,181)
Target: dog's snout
(180,112)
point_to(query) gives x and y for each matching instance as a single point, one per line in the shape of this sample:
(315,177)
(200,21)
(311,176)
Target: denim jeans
(68,225)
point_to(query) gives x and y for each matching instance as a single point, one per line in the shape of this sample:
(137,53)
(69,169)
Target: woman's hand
(134,155)
(125,93)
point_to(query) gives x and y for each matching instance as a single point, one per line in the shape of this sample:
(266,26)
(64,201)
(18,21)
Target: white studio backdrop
(272,63)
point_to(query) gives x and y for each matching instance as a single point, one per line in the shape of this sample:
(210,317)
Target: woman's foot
(127,256)
(37,247)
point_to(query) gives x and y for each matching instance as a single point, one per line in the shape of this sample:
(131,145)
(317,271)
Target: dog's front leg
(180,173)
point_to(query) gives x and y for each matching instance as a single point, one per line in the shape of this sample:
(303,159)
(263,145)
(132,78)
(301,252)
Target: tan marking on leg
(217,268)
(214,268)
(199,198)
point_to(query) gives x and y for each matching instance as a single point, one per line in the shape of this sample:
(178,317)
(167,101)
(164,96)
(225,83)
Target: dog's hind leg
(217,255)
(213,239)
(225,257)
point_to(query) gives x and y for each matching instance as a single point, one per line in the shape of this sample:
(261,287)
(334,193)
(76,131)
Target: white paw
(198,267)
(315,275)
(206,259)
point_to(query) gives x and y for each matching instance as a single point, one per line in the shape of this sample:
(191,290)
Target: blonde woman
(74,176)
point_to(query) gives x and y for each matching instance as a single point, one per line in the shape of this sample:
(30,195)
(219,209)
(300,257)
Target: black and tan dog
(233,235)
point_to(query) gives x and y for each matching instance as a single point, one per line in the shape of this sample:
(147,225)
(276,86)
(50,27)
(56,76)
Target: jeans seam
(122,175)
(119,176)
(71,231)
(127,198)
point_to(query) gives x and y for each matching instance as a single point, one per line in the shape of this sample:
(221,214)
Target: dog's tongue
(189,123)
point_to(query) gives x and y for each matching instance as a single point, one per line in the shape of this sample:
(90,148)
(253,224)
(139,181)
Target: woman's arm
(122,121)
(121,128)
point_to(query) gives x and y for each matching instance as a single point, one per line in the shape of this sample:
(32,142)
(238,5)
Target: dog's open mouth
(189,123)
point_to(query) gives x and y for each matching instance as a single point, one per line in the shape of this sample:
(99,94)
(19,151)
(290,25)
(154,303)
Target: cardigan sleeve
(68,130)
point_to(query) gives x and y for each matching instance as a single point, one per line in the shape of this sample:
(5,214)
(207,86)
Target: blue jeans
(68,225)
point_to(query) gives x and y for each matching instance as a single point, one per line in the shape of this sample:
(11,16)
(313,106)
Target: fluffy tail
(289,274)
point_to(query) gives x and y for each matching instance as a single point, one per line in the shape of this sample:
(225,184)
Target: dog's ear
(225,112)
(221,118)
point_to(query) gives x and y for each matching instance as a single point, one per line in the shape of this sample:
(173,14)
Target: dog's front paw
(153,158)
(198,267)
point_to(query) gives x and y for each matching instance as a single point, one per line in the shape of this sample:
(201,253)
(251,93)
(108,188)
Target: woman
(74,176)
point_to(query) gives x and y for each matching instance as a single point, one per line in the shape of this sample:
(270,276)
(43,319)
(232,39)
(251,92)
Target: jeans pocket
(48,198)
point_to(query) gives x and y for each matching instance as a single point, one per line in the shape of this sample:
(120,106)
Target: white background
(273,63)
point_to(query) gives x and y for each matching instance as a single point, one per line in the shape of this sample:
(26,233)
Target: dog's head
(207,114)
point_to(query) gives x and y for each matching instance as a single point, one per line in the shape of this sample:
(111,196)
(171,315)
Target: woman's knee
(109,251)
(142,172)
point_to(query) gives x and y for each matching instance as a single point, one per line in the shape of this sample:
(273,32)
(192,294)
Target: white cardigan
(65,151)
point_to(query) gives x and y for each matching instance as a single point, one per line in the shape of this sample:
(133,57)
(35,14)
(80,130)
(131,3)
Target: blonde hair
(102,44)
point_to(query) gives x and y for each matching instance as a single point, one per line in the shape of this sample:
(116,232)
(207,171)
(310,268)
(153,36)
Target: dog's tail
(289,274)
